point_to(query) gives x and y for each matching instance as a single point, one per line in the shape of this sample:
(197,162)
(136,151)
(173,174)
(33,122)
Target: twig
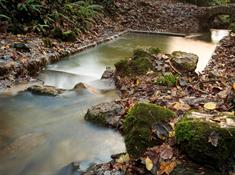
(174,68)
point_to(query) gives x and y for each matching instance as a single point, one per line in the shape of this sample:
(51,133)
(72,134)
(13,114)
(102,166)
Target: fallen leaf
(181,106)
(166,152)
(223,94)
(148,164)
(123,158)
(166,168)
(233,86)
(210,105)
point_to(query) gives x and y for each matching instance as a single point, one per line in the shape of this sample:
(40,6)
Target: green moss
(192,137)
(139,65)
(137,126)
(140,53)
(153,50)
(69,36)
(134,67)
(168,79)
(232,27)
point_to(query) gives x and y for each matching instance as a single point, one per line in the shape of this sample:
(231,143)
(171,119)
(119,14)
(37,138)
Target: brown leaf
(223,94)
(166,152)
(166,168)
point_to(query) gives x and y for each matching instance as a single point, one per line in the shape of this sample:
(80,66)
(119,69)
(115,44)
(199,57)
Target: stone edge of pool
(34,66)
(110,38)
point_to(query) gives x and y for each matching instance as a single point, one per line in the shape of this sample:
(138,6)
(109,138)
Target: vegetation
(44,16)
(168,79)
(199,140)
(138,123)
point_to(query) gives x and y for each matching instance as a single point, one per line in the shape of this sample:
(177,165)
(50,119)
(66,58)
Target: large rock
(208,142)
(45,90)
(107,114)
(184,62)
(146,125)
(140,64)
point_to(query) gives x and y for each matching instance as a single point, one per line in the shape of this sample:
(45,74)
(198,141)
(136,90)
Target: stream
(39,135)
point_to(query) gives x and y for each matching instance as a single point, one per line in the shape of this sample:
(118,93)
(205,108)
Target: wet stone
(108,73)
(184,62)
(45,90)
(106,114)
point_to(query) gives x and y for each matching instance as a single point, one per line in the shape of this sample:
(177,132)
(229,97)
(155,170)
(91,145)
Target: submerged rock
(146,125)
(184,62)
(79,87)
(45,90)
(207,142)
(106,114)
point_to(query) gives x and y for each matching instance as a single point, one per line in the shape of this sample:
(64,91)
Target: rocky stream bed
(173,120)
(170,116)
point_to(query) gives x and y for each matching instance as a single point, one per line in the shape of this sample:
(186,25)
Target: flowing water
(39,135)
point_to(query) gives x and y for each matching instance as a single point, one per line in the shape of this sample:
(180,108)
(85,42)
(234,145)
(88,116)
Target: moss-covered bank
(138,125)
(206,142)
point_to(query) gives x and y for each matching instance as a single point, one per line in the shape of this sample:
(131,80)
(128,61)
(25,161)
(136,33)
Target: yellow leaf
(233,86)
(181,106)
(137,83)
(123,158)
(148,164)
(172,134)
(210,105)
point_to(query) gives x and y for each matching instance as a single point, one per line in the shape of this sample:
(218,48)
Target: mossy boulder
(206,142)
(138,126)
(140,64)
(184,62)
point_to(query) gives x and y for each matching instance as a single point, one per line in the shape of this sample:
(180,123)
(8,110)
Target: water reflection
(44,133)
(217,35)
(91,63)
